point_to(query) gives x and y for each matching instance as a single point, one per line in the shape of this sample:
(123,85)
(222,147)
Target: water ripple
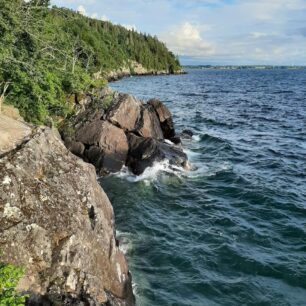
(232,232)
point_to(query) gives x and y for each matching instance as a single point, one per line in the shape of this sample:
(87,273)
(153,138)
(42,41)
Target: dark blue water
(234,231)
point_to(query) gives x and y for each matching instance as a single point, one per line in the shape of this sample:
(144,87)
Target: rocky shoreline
(134,69)
(55,219)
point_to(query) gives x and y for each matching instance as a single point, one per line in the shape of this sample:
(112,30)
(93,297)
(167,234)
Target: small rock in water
(145,151)
(176,140)
(187,134)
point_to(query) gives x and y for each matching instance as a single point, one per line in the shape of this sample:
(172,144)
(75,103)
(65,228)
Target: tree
(40,2)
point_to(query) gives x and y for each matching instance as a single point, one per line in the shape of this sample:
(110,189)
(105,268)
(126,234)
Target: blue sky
(213,31)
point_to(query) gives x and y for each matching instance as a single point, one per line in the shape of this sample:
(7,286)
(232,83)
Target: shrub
(9,277)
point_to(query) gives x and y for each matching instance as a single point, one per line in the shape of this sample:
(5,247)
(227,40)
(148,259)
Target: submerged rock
(187,134)
(107,127)
(56,222)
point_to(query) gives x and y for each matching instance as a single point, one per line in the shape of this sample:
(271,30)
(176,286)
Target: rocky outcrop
(112,129)
(56,222)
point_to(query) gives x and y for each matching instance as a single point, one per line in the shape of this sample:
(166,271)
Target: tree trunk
(2,97)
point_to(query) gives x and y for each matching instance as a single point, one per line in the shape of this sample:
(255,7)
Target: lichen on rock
(56,222)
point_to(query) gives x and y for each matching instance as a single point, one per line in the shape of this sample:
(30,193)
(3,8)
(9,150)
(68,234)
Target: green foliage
(40,2)
(48,54)
(9,277)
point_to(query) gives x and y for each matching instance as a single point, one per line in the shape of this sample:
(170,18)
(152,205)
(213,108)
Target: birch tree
(3,90)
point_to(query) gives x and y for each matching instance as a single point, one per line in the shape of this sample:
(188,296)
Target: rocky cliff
(55,219)
(56,222)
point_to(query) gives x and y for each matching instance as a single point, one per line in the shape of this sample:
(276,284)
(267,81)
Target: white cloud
(130,26)
(186,39)
(104,18)
(81,9)
(214,31)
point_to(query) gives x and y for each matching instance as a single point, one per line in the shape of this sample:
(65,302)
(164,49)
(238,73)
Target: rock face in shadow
(165,118)
(112,130)
(56,222)
(145,151)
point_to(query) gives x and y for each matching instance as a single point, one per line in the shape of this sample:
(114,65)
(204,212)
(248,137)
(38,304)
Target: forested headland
(48,54)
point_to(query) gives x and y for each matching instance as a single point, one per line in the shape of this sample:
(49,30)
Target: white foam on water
(161,169)
(223,167)
(203,170)
(191,154)
(151,173)
(126,246)
(125,242)
(196,138)
(168,141)
(197,172)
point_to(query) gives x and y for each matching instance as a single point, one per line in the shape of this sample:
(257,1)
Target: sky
(217,32)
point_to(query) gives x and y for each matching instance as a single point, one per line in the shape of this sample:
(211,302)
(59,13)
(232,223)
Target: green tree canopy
(48,54)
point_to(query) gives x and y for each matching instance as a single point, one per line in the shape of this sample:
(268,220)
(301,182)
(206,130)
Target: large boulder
(144,152)
(75,147)
(57,223)
(149,125)
(125,112)
(107,145)
(165,118)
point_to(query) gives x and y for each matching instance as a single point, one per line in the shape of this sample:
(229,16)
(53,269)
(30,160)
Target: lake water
(233,232)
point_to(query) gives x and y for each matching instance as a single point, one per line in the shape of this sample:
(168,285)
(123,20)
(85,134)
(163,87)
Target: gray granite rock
(56,222)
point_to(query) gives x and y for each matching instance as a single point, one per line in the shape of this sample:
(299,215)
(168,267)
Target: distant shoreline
(241,67)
